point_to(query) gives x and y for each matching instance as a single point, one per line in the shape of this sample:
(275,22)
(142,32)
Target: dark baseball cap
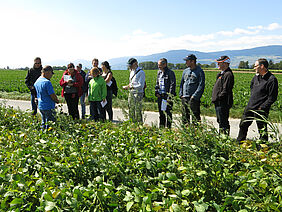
(224,59)
(190,57)
(131,61)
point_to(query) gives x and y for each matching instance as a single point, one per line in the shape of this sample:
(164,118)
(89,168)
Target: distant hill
(273,52)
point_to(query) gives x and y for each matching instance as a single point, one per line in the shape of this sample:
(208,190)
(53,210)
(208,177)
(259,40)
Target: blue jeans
(82,102)
(47,115)
(33,104)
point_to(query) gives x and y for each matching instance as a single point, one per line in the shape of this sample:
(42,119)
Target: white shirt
(137,81)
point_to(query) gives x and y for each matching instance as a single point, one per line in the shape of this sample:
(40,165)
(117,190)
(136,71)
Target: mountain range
(273,52)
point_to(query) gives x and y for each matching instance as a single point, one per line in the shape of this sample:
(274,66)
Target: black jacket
(32,75)
(169,81)
(222,89)
(264,92)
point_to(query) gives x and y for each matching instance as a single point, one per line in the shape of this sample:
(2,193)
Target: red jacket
(78,83)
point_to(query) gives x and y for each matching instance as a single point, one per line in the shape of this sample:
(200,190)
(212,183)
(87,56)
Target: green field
(13,80)
(88,166)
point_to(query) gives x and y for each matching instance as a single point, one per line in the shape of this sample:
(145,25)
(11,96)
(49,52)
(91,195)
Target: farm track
(151,118)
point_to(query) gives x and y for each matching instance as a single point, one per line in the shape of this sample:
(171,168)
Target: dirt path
(151,118)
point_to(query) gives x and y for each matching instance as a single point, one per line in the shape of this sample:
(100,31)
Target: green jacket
(97,89)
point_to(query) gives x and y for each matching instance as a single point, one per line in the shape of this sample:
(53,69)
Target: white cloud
(274,26)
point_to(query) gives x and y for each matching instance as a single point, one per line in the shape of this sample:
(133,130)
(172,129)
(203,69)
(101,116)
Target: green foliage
(243,64)
(87,166)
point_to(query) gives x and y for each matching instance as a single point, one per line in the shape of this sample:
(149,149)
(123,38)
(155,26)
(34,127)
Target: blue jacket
(192,83)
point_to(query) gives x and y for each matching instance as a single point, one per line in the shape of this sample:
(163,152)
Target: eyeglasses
(256,66)
(37,63)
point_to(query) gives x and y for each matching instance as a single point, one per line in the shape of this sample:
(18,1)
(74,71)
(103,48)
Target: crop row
(12,80)
(86,166)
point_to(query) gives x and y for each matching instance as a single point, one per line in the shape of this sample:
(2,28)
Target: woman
(107,75)
(97,95)
(72,82)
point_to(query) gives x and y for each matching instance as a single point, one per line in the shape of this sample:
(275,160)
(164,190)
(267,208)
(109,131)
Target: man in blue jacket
(164,90)
(191,90)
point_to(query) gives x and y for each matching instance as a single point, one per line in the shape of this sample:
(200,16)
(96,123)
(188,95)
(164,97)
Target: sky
(87,29)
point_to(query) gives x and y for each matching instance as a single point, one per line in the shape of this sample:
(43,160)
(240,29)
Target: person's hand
(158,95)
(104,100)
(125,87)
(181,97)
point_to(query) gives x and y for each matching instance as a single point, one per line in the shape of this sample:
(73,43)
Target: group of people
(97,84)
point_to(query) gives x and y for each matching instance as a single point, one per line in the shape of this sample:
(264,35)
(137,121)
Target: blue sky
(84,29)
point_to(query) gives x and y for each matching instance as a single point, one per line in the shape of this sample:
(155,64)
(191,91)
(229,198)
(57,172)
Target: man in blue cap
(191,90)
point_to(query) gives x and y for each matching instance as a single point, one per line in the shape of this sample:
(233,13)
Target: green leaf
(185,192)
(263,184)
(129,205)
(16,201)
(200,173)
(49,206)
(176,208)
(200,207)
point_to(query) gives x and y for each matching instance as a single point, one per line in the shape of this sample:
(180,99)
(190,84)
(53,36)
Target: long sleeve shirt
(137,80)
(192,83)
(264,92)
(166,82)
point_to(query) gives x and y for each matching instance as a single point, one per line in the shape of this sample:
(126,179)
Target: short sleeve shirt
(44,89)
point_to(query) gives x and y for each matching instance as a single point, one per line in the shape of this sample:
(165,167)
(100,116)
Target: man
(84,90)
(46,96)
(264,92)
(222,95)
(164,90)
(191,89)
(32,75)
(136,90)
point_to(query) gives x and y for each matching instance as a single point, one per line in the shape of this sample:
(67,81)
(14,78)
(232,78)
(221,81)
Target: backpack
(114,86)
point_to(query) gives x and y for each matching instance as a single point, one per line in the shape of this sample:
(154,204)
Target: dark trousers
(165,116)
(72,103)
(194,106)
(222,115)
(33,104)
(109,105)
(247,120)
(97,112)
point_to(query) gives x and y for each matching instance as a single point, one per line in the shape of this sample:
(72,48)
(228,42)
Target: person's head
(79,67)
(223,63)
(71,68)
(105,66)
(191,60)
(162,63)
(47,72)
(132,64)
(95,62)
(261,66)
(94,72)
(37,62)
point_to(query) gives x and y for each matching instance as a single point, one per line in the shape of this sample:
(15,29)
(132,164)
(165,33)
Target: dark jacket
(264,92)
(32,75)
(84,87)
(169,82)
(222,89)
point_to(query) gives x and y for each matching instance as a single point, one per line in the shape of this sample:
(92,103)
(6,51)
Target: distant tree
(8,67)
(213,65)
(149,65)
(271,64)
(180,66)
(170,66)
(243,64)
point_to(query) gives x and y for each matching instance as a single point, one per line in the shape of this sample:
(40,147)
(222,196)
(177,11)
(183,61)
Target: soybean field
(13,80)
